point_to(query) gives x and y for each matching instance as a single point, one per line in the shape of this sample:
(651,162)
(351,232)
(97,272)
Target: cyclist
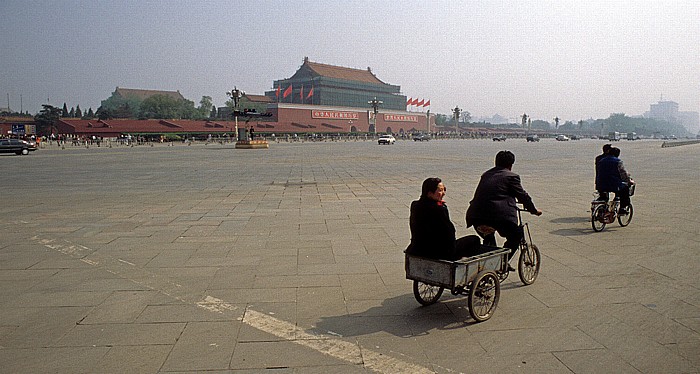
(611,176)
(602,196)
(494,204)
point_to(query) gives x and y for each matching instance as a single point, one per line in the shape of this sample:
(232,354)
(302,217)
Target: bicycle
(529,259)
(605,211)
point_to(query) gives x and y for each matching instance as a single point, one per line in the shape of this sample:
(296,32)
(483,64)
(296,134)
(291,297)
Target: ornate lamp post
(456,112)
(235,95)
(375,109)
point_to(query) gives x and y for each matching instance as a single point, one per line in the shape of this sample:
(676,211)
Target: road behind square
(208,258)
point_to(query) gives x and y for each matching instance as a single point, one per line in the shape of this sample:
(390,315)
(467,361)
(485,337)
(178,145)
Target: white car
(562,138)
(386,139)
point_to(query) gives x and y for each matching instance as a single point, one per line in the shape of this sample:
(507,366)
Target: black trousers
(623,194)
(512,232)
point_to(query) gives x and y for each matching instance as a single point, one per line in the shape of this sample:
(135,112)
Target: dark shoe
(510,268)
(623,211)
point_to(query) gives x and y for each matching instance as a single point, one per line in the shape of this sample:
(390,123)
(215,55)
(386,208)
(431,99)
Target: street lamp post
(235,95)
(375,109)
(456,112)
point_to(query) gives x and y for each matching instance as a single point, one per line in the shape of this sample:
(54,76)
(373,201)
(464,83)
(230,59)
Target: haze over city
(568,59)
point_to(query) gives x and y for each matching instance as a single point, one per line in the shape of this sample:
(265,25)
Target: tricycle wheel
(528,263)
(425,293)
(483,296)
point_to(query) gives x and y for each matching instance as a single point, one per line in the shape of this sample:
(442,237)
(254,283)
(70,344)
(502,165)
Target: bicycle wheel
(597,218)
(627,218)
(528,263)
(425,293)
(483,296)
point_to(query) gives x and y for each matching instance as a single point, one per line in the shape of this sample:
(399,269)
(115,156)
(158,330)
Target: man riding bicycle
(494,204)
(611,176)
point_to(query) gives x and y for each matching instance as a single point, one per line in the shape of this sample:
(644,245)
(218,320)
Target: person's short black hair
(430,185)
(614,151)
(606,148)
(505,159)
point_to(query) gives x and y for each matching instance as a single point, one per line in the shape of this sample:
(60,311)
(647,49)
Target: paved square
(208,258)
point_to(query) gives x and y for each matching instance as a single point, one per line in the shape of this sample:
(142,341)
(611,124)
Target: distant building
(691,120)
(328,98)
(664,110)
(145,94)
(321,84)
(668,111)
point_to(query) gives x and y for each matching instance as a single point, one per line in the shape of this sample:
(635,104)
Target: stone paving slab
(180,259)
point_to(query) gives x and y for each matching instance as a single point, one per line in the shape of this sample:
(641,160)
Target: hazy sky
(572,59)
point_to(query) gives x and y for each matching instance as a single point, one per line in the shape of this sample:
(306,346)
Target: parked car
(421,137)
(562,138)
(386,139)
(499,138)
(16,146)
(533,138)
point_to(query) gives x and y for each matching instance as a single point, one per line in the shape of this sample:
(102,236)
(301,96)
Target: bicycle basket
(632,189)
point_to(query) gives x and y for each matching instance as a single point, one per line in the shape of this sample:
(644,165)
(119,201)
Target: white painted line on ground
(337,348)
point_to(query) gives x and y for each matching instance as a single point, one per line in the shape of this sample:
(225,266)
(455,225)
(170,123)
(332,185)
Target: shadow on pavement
(571,220)
(400,316)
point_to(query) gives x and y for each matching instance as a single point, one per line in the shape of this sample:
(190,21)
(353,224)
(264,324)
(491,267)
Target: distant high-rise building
(668,111)
(664,110)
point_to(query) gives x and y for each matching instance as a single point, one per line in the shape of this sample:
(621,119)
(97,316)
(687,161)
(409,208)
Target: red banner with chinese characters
(400,118)
(330,114)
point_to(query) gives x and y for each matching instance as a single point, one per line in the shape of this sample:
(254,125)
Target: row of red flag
(288,92)
(414,102)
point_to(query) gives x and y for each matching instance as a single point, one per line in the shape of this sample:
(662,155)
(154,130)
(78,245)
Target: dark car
(533,138)
(499,138)
(16,146)
(421,137)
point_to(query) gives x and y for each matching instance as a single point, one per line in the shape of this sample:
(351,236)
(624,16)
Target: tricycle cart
(475,276)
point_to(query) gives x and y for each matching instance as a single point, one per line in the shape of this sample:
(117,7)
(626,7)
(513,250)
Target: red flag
(409,102)
(421,102)
(277,93)
(427,103)
(287,92)
(311,92)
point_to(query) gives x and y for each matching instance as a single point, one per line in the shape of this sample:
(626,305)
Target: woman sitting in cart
(432,231)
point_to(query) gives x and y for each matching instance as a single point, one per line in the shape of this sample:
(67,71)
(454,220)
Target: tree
(441,119)
(163,106)
(64,113)
(466,117)
(539,124)
(119,107)
(78,112)
(71,114)
(205,106)
(213,112)
(90,113)
(46,119)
